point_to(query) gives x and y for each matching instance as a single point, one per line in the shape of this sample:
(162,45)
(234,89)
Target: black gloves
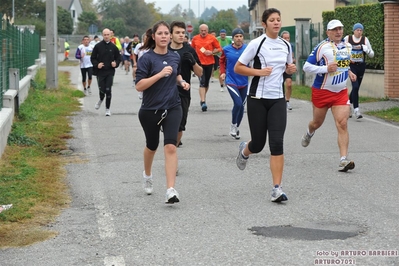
(187,56)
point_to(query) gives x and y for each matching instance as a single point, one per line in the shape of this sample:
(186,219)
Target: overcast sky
(167,5)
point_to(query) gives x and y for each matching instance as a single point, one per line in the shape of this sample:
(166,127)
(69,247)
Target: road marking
(103,212)
(381,122)
(114,261)
(104,217)
(89,146)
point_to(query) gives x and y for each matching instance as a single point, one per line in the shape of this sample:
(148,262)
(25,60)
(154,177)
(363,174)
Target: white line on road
(114,261)
(103,213)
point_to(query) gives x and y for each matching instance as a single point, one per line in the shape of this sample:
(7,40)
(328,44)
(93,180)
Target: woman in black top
(158,72)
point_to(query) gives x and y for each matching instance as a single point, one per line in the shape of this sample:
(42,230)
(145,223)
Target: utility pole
(51,45)
(13,10)
(199,14)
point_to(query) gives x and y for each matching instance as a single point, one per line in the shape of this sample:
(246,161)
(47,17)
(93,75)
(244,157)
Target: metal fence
(309,39)
(19,48)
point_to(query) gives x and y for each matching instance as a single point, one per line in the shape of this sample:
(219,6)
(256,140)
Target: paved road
(225,216)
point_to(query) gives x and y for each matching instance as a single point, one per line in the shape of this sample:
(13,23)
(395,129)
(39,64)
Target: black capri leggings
(152,120)
(267,116)
(89,72)
(206,76)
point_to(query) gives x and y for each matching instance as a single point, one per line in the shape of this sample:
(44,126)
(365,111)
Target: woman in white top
(270,56)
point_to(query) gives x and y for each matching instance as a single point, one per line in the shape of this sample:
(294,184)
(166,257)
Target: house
(290,9)
(74,7)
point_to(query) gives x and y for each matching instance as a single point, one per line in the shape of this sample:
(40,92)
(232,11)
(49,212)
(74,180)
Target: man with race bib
(330,62)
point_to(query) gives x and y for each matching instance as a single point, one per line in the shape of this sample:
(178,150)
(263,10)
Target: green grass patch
(391,115)
(31,169)
(301,92)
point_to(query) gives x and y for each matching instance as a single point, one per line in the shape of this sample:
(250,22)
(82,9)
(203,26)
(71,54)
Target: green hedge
(372,18)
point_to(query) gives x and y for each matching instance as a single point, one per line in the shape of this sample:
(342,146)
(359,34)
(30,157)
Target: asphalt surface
(225,216)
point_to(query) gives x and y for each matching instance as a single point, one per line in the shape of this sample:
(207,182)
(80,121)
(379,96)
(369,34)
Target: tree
(117,25)
(65,23)
(23,8)
(224,19)
(85,20)
(176,11)
(242,14)
(135,15)
(88,6)
(208,13)
(40,25)
(155,13)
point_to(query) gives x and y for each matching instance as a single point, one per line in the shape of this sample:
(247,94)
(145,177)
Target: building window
(73,13)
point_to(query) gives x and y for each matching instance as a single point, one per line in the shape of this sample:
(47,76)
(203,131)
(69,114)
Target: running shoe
(278,194)
(233,130)
(289,106)
(306,139)
(98,104)
(171,196)
(204,107)
(358,115)
(147,184)
(238,134)
(241,161)
(345,165)
(107,112)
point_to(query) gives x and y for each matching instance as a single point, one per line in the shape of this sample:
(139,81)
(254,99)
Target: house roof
(66,4)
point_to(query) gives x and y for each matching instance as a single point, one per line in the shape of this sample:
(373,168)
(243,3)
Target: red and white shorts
(325,98)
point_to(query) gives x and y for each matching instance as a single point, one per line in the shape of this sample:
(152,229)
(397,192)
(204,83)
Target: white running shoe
(171,196)
(241,161)
(98,104)
(358,115)
(147,184)
(238,134)
(140,95)
(233,130)
(278,194)
(107,112)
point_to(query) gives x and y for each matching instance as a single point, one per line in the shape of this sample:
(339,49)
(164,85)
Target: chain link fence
(19,47)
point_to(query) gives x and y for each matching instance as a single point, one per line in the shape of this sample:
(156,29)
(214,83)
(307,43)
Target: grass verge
(31,169)
(390,115)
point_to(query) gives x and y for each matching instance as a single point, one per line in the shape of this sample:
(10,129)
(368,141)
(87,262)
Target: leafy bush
(373,27)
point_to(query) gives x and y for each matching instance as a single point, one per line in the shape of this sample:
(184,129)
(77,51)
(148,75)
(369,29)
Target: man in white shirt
(86,67)
(330,62)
